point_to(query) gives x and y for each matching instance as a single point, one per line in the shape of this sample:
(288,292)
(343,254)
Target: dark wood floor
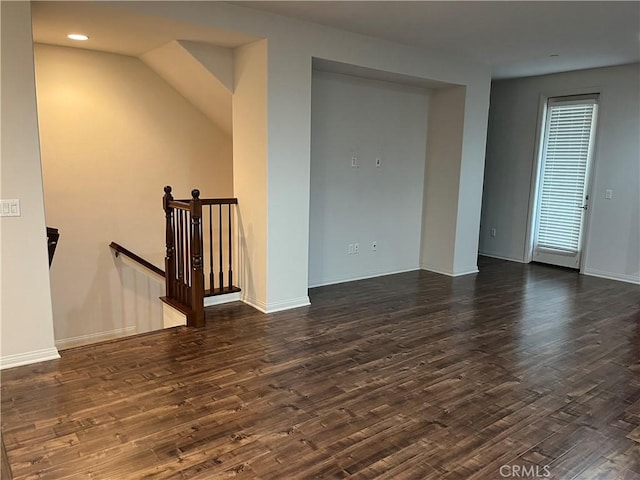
(519,369)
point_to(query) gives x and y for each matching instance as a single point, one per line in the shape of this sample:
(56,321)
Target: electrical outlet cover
(10,208)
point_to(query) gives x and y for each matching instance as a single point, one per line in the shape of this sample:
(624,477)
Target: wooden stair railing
(119,249)
(187,231)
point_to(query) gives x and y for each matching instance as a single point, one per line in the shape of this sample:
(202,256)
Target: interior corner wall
(474,138)
(250,169)
(442,179)
(613,233)
(367,119)
(113,134)
(217,60)
(25,311)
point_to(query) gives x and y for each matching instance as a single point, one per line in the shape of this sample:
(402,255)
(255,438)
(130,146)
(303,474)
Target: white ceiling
(516,38)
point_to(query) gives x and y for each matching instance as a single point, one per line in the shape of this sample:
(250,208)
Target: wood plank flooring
(520,371)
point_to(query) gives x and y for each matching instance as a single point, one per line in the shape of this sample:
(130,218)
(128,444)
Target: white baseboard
(27,358)
(429,268)
(501,257)
(288,304)
(621,277)
(612,276)
(94,337)
(465,271)
(361,277)
(220,299)
(276,306)
(257,304)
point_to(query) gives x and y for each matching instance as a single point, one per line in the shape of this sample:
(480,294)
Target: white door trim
(543,100)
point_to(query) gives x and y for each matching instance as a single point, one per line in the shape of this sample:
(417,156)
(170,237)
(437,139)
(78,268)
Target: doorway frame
(541,121)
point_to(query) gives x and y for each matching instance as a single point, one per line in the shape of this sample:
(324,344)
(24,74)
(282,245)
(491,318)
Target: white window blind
(566,152)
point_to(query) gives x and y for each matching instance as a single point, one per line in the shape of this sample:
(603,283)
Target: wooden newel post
(170,258)
(197,275)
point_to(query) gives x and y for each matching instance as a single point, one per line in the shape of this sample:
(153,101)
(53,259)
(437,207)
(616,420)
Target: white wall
(250,170)
(442,178)
(113,134)
(25,304)
(197,78)
(291,46)
(288,159)
(368,119)
(613,236)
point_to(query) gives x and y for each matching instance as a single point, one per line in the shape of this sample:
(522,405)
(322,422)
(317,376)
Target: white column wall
(25,313)
(442,179)
(250,176)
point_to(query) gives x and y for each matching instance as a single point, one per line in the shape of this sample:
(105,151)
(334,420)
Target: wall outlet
(378,161)
(374,246)
(356,248)
(492,232)
(608,194)
(354,162)
(350,248)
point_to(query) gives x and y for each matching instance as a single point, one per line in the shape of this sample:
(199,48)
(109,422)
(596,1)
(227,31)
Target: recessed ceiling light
(77,36)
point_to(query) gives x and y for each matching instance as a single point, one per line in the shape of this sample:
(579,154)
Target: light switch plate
(10,208)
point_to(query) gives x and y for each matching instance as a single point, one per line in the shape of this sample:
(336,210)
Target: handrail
(186,204)
(180,204)
(119,249)
(211,201)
